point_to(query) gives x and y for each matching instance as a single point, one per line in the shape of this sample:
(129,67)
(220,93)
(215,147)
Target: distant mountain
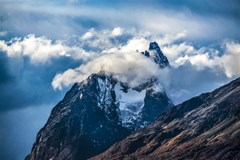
(204,127)
(98,112)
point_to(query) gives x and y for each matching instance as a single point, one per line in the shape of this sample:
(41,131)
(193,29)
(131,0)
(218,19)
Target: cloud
(121,39)
(195,71)
(74,59)
(157,17)
(98,40)
(230,60)
(208,57)
(176,50)
(117,31)
(122,60)
(127,67)
(28,66)
(41,49)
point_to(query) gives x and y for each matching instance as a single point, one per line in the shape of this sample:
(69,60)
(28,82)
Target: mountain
(204,127)
(96,113)
(156,54)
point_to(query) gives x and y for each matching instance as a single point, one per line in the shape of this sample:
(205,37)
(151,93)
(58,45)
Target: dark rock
(159,57)
(88,120)
(204,127)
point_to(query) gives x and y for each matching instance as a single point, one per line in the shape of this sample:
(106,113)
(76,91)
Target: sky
(47,46)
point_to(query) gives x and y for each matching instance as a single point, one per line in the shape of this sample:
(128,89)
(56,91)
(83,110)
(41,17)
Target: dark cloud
(30,84)
(5,75)
(26,100)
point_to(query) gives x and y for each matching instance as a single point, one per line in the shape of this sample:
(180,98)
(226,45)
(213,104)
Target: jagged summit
(156,54)
(154,46)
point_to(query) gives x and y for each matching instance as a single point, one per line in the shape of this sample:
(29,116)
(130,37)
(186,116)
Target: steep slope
(204,127)
(95,114)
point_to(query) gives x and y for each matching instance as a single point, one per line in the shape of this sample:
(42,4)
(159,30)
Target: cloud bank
(214,64)
(41,49)
(226,59)
(117,52)
(132,68)
(201,22)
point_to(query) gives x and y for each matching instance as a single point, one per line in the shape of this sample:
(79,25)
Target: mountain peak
(95,114)
(154,46)
(156,54)
(98,112)
(159,57)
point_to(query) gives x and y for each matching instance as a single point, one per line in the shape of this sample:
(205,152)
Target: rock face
(204,127)
(95,114)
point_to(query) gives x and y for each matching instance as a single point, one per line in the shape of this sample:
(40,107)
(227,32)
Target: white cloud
(67,78)
(92,43)
(121,59)
(170,38)
(41,49)
(127,65)
(100,40)
(88,35)
(124,61)
(200,61)
(117,31)
(131,67)
(138,43)
(226,62)
(231,59)
(176,50)
(193,70)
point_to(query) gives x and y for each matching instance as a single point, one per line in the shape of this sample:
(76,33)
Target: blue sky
(46,46)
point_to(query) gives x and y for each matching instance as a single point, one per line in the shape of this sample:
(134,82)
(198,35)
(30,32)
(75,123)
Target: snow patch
(130,104)
(105,97)
(81,96)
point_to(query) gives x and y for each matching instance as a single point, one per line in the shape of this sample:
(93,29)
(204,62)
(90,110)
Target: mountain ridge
(204,127)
